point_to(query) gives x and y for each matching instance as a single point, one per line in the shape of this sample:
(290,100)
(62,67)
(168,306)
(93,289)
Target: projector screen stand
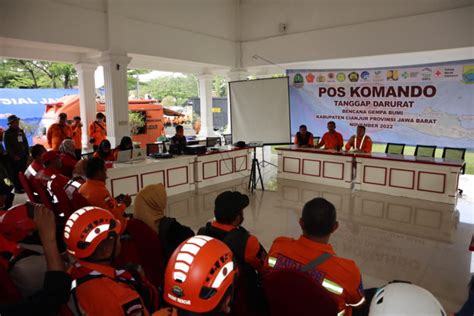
(254,177)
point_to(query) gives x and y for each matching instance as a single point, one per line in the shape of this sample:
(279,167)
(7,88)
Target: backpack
(172,234)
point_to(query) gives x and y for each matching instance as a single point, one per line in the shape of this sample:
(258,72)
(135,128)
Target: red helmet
(86,228)
(15,225)
(198,274)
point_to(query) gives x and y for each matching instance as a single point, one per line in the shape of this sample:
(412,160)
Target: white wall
(181,29)
(260,18)
(433,31)
(51,22)
(209,32)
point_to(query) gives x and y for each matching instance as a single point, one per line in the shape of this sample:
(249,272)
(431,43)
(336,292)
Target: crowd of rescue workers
(74,249)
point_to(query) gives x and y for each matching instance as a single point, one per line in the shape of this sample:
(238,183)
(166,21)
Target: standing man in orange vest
(58,132)
(331,139)
(360,142)
(77,136)
(97,130)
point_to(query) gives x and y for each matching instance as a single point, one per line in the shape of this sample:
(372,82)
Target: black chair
(425,151)
(87,155)
(152,148)
(452,153)
(213,141)
(227,139)
(395,148)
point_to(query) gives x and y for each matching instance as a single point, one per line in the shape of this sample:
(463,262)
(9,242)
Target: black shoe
(19,191)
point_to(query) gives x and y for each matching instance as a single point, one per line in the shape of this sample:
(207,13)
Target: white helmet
(404,299)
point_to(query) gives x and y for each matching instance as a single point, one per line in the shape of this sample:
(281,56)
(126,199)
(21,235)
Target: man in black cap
(249,254)
(229,215)
(16,146)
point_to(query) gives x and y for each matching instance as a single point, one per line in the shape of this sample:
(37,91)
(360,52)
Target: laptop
(124,156)
(138,154)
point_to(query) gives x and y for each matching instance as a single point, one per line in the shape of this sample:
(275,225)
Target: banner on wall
(431,104)
(29,105)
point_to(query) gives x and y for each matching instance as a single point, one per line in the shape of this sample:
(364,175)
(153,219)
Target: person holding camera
(96,193)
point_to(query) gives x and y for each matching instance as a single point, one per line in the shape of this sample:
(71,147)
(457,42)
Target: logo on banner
(450,73)
(331,77)
(438,73)
(321,78)
(426,73)
(353,77)
(405,75)
(310,78)
(341,77)
(392,75)
(364,75)
(298,80)
(378,75)
(414,74)
(468,74)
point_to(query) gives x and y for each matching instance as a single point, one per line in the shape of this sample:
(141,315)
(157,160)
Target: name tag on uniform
(20,138)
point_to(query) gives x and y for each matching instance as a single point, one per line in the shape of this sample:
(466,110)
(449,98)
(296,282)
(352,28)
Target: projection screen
(260,110)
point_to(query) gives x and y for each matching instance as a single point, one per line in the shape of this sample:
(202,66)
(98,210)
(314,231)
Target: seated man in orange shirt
(360,142)
(58,132)
(52,170)
(228,212)
(331,139)
(96,193)
(37,163)
(92,237)
(249,254)
(339,276)
(304,138)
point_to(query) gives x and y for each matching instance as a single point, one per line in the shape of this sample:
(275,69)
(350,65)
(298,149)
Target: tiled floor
(389,237)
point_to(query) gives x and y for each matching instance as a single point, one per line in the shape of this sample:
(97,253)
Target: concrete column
(205,96)
(116,96)
(88,108)
(233,75)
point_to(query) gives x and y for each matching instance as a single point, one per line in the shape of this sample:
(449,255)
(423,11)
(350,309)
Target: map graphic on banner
(29,105)
(430,104)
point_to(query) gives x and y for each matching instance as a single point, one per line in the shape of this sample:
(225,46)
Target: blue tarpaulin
(28,104)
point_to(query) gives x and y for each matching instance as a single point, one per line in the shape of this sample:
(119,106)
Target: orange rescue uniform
(252,247)
(339,276)
(364,144)
(97,131)
(96,194)
(106,295)
(77,136)
(56,134)
(67,164)
(33,169)
(44,176)
(332,141)
(112,156)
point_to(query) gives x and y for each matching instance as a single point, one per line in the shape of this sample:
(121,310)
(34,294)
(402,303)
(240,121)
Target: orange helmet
(86,228)
(198,274)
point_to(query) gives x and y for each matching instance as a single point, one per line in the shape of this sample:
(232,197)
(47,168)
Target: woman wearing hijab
(68,157)
(105,151)
(149,207)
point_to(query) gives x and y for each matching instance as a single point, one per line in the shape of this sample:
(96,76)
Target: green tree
(180,87)
(219,87)
(133,79)
(17,73)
